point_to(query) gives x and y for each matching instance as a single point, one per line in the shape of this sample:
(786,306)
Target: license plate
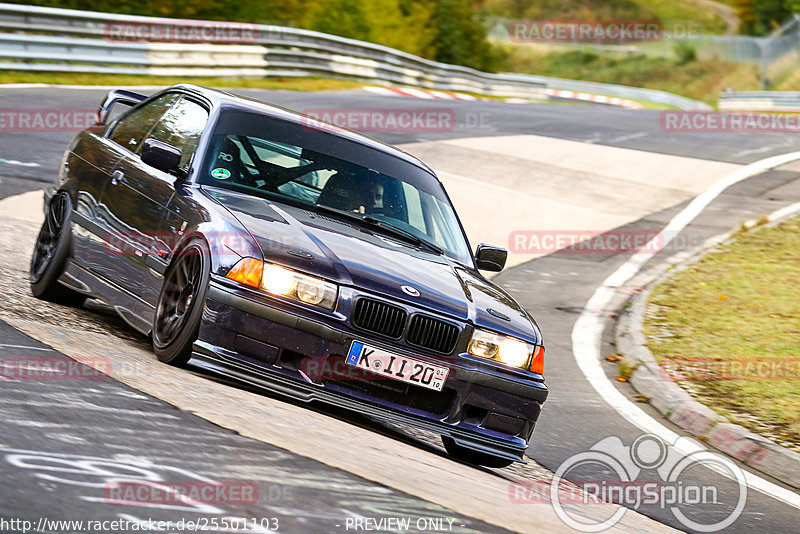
(397,367)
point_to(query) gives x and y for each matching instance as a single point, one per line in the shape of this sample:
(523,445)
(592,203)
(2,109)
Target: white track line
(7,346)
(18,163)
(588,330)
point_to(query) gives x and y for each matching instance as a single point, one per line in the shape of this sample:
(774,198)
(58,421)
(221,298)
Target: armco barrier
(760,101)
(66,40)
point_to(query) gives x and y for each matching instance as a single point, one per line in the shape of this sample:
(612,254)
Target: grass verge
(730,325)
(692,78)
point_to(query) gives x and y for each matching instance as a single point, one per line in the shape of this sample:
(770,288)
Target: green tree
(459,36)
(760,17)
(340,17)
(401,24)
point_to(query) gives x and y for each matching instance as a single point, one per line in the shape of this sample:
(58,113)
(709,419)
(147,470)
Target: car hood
(374,262)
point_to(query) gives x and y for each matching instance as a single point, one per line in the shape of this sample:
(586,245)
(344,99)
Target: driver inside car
(355,192)
(372,196)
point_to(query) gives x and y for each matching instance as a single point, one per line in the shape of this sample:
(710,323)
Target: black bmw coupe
(296,256)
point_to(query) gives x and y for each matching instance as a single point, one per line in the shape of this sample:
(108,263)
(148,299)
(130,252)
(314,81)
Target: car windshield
(302,165)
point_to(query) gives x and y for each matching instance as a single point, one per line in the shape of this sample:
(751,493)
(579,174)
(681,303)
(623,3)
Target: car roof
(224,99)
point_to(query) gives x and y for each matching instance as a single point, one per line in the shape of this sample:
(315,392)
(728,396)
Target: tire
(50,253)
(181,302)
(473,457)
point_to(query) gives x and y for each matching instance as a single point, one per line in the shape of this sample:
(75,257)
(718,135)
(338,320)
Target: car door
(123,138)
(89,164)
(138,196)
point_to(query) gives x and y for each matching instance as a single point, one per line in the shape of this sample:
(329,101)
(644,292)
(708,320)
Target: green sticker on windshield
(221,174)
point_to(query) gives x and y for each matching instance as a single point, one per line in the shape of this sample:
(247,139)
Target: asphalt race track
(553,167)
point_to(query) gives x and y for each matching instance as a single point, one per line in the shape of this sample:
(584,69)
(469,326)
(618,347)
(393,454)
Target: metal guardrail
(760,101)
(66,40)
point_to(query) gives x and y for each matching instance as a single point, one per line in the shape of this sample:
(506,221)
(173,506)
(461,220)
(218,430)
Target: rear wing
(121,96)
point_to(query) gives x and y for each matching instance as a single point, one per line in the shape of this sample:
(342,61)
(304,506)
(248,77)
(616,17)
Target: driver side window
(131,130)
(181,127)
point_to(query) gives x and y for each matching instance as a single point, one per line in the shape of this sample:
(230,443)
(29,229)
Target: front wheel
(471,456)
(180,304)
(51,252)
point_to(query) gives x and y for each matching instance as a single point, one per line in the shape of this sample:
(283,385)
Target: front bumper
(254,339)
(49,193)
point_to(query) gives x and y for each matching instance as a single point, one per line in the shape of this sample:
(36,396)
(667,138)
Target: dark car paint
(127,228)
(354,256)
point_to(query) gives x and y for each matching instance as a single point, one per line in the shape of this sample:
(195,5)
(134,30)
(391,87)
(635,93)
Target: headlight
(504,349)
(278,280)
(285,282)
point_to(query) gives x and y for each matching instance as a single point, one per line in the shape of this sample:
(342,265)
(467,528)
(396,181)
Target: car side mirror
(490,258)
(161,155)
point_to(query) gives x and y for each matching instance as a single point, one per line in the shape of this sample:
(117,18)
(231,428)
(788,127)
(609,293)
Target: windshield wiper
(383,225)
(405,233)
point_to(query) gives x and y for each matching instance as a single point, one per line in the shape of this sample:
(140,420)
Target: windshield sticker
(221,174)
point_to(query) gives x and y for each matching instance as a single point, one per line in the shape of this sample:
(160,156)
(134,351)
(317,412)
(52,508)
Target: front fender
(200,216)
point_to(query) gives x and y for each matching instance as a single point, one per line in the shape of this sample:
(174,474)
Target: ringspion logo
(648,472)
